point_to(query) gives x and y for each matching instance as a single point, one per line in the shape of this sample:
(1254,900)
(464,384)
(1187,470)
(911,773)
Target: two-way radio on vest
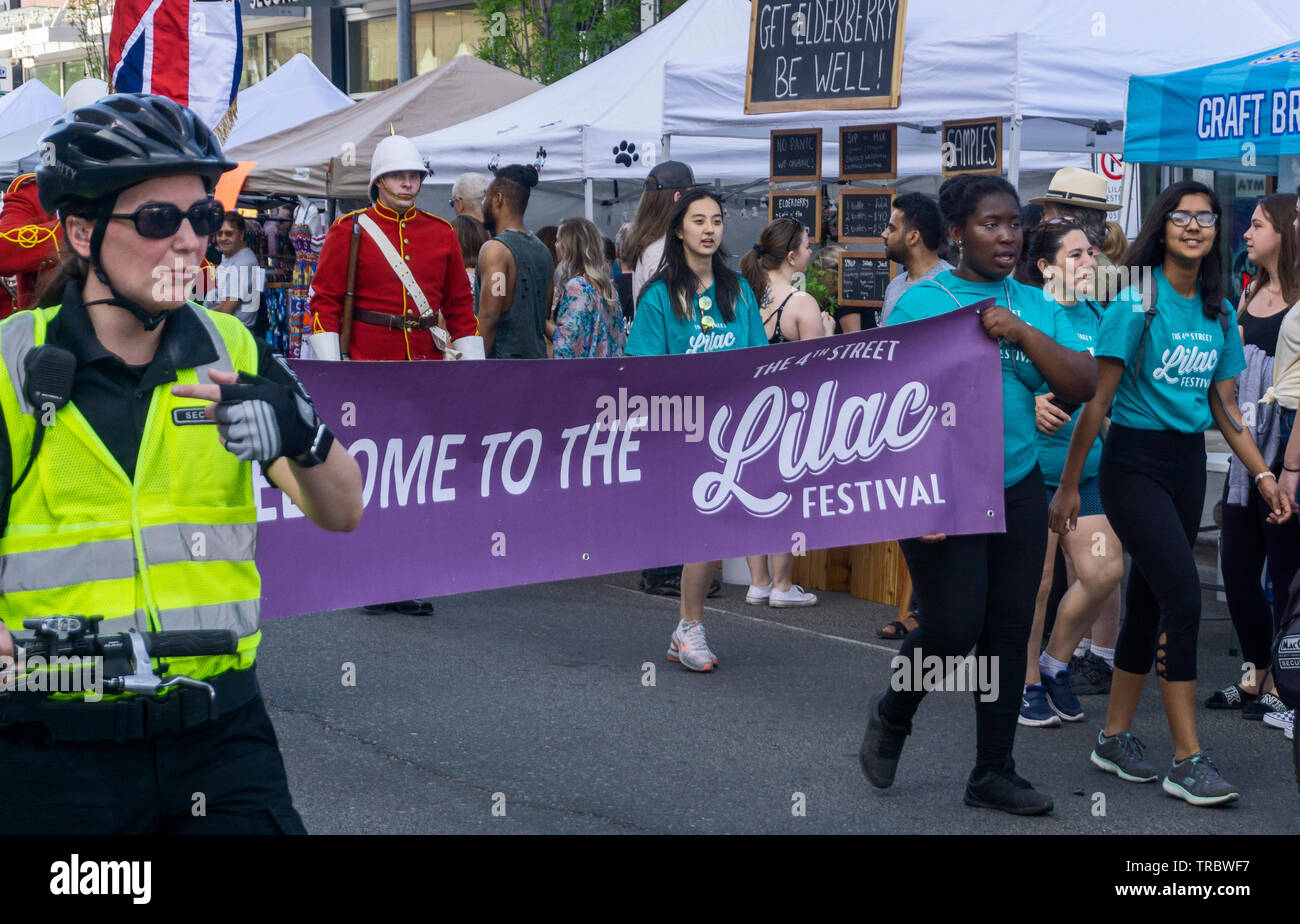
(48,374)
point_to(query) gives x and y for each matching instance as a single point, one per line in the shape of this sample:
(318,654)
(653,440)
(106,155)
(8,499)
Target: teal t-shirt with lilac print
(658,331)
(1185,353)
(1020,377)
(1053,448)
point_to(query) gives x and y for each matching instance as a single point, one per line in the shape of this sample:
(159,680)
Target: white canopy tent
(330,155)
(31,102)
(18,148)
(1056,69)
(293,94)
(607,122)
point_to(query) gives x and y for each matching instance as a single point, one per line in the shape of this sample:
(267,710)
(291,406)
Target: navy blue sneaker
(1034,710)
(1061,698)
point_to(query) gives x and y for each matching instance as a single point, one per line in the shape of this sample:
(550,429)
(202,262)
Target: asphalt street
(528,710)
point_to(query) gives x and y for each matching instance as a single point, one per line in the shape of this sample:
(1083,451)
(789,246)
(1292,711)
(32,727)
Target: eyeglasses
(451,203)
(162,219)
(1182,219)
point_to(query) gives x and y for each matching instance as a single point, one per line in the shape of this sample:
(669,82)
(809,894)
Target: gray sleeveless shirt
(521,331)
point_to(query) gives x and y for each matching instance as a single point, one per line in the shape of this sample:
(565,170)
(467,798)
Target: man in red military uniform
(29,239)
(389,320)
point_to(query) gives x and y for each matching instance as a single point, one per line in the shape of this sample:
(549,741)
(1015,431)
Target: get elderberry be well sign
(824,54)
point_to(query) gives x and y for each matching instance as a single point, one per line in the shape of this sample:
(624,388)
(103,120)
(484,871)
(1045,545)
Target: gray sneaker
(1199,782)
(1122,755)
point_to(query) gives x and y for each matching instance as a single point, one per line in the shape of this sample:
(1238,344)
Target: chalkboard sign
(824,55)
(868,152)
(796,155)
(863,278)
(972,146)
(803,205)
(864,214)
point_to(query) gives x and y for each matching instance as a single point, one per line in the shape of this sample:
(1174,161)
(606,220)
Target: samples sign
(972,146)
(825,54)
(620,464)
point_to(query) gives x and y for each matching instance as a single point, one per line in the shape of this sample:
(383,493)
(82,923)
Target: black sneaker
(999,789)
(881,746)
(1090,675)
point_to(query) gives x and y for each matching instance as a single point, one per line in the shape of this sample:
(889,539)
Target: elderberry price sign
(803,205)
(972,146)
(864,214)
(823,54)
(868,152)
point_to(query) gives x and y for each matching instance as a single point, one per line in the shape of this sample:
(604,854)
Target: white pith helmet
(392,154)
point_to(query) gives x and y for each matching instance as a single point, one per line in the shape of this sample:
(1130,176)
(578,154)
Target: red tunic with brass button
(430,248)
(29,238)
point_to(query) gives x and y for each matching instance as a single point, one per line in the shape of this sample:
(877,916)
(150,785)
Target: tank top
(777,336)
(1262,332)
(521,331)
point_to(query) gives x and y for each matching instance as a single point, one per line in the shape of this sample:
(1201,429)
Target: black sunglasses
(162,219)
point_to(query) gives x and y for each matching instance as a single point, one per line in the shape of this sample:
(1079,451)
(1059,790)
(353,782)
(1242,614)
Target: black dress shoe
(999,789)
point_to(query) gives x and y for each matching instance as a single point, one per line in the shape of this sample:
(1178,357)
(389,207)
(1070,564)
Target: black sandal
(1230,697)
(898,629)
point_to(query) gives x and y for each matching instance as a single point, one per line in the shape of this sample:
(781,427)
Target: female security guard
(130,512)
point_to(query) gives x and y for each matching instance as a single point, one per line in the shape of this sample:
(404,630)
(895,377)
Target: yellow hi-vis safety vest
(172,549)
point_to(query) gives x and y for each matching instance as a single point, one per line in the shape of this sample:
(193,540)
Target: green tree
(89,18)
(545,40)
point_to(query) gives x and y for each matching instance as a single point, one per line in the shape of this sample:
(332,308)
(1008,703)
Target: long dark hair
(1279,209)
(1148,249)
(779,238)
(649,224)
(677,274)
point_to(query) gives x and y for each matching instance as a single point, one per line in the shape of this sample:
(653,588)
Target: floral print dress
(587,325)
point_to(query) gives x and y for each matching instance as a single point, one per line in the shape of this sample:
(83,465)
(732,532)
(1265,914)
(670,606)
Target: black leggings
(1153,488)
(1248,539)
(978,591)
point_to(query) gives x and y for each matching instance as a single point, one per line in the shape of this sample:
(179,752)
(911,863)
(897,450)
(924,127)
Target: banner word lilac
(493,474)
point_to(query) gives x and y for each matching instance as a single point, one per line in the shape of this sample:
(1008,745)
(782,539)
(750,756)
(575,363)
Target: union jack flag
(191,51)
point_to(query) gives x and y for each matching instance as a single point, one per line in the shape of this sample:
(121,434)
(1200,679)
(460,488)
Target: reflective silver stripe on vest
(222,362)
(241,616)
(45,569)
(173,542)
(16,342)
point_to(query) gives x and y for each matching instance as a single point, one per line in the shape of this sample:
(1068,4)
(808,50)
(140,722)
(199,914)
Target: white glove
(470,347)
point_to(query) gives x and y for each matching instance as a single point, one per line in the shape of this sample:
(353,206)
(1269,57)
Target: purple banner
(506,472)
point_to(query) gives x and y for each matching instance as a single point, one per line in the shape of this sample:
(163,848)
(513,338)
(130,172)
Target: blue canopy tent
(1241,115)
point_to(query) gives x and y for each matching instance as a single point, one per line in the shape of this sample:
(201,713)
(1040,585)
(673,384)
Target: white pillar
(666,142)
(589,201)
(1013,168)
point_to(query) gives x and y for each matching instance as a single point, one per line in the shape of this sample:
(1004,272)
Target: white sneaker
(1290,732)
(690,648)
(758,595)
(795,596)
(1280,719)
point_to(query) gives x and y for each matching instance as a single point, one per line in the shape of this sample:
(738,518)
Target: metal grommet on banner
(586,557)
(991,514)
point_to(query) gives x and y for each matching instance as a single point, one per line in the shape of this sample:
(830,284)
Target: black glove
(262,420)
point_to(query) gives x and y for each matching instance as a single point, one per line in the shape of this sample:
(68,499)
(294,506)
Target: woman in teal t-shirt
(978,591)
(1167,353)
(1059,259)
(696,304)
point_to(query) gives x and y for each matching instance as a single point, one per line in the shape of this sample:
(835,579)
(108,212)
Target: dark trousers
(1153,488)
(1248,541)
(978,592)
(223,777)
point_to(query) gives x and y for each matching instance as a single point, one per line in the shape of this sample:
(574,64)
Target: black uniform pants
(222,777)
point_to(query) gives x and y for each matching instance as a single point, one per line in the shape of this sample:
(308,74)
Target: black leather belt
(130,719)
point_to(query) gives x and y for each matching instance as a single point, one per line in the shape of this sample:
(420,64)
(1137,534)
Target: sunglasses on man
(162,219)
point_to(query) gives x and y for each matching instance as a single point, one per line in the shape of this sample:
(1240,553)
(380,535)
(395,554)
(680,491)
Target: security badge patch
(188,416)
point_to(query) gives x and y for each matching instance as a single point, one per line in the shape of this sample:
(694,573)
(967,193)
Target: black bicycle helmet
(91,154)
(120,140)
